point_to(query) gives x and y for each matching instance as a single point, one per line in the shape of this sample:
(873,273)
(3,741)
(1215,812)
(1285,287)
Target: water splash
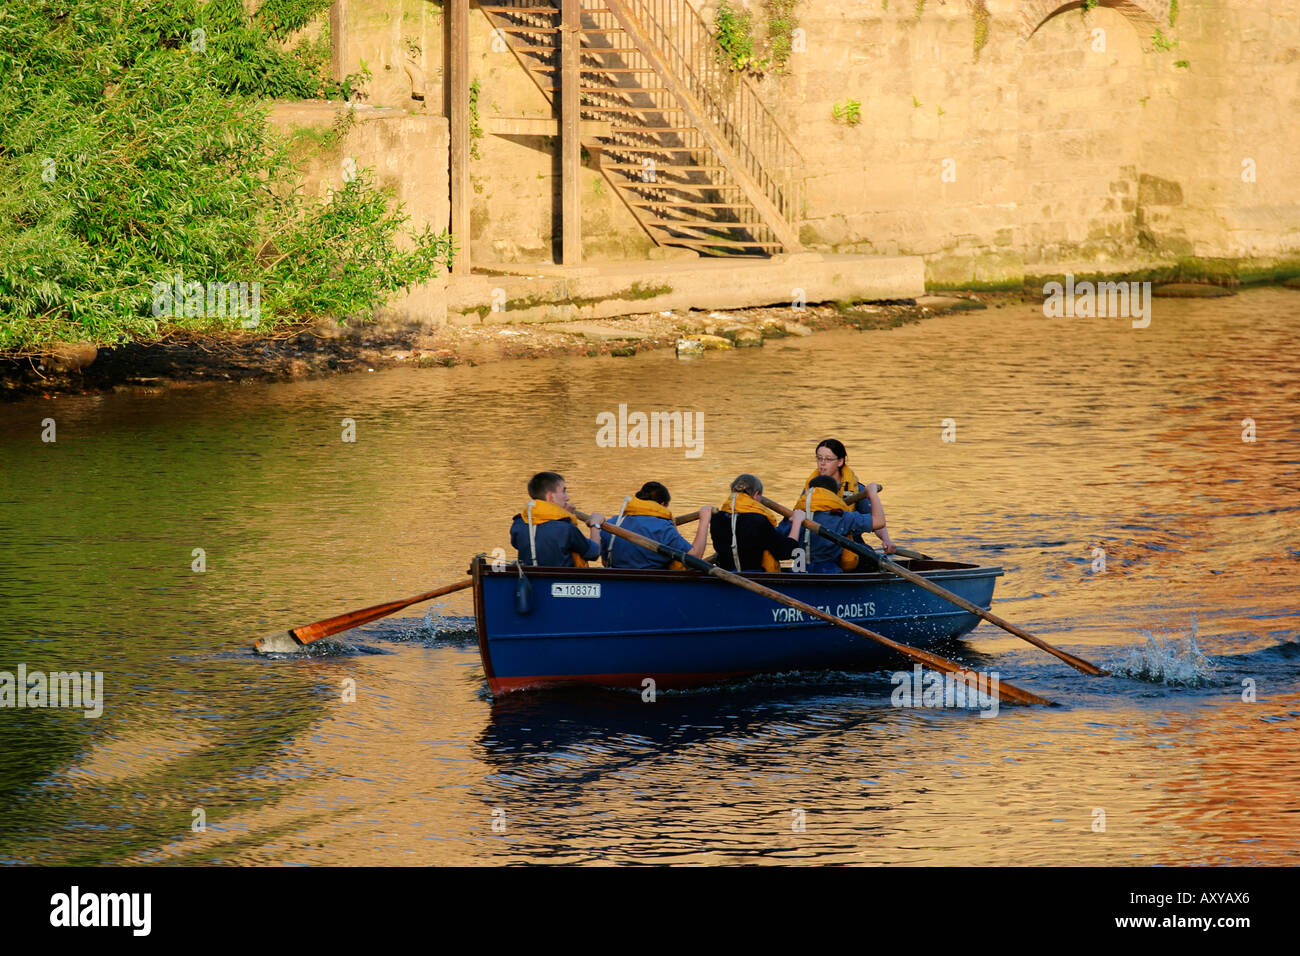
(1171,661)
(279,644)
(438,625)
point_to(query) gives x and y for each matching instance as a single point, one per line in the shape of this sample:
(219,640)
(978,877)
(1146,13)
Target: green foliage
(1173,13)
(920,8)
(475,128)
(1182,64)
(1161,43)
(849,112)
(739,50)
(351,87)
(915,102)
(136,149)
(283,17)
(1089,5)
(734,31)
(781,24)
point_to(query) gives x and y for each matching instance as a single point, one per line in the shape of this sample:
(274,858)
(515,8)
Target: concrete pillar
(570,143)
(456,13)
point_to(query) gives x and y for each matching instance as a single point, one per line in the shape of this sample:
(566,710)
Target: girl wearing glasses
(832,460)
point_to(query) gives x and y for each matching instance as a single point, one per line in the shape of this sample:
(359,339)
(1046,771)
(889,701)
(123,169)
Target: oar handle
(859,495)
(687,518)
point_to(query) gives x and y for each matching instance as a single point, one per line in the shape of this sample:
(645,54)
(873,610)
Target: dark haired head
(542,482)
(747,485)
(654,491)
(825,481)
(835,447)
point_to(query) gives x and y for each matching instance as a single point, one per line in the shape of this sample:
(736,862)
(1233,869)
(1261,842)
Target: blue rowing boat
(615,628)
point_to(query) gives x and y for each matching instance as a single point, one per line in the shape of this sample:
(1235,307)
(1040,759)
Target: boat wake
(1172,662)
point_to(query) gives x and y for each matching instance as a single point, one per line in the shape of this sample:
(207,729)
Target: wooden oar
(883,562)
(902,552)
(1006,691)
(343,622)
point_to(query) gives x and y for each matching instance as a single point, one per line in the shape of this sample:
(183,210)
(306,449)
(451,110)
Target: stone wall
(1070,141)
(999,139)
(406,154)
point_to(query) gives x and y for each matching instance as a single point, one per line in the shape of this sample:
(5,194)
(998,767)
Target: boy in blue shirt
(822,501)
(647,514)
(546,533)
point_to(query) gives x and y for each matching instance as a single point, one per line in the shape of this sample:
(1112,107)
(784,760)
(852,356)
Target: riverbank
(191,361)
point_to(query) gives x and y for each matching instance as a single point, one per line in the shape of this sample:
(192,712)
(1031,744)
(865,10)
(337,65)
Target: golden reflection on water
(1072,435)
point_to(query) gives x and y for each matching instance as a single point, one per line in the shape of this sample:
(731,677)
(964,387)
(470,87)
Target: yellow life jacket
(848,481)
(540,512)
(647,509)
(823,500)
(739,504)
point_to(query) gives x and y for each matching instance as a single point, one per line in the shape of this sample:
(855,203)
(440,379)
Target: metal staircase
(694,153)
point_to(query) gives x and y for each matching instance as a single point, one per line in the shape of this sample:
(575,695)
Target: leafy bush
(137,147)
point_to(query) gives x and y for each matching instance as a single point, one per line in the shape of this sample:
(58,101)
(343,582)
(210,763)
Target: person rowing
(820,499)
(546,533)
(744,532)
(833,462)
(647,514)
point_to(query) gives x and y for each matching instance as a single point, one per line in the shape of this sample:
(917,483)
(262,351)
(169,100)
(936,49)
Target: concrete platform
(550,293)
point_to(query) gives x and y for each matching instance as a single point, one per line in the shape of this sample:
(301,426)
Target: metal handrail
(731,103)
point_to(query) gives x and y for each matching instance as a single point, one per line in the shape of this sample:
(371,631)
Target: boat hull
(617,628)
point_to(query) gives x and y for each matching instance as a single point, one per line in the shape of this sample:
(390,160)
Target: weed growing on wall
(734,31)
(740,50)
(781,24)
(849,112)
(475,127)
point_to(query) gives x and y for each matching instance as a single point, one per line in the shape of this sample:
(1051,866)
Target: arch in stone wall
(1145,15)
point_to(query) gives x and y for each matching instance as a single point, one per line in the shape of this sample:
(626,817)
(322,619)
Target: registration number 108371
(575,590)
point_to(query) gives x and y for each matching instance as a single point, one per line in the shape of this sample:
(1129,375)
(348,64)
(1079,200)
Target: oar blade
(344,622)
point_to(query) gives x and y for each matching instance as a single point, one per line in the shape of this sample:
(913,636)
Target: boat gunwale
(958,571)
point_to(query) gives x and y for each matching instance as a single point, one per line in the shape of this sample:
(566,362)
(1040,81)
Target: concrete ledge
(557,294)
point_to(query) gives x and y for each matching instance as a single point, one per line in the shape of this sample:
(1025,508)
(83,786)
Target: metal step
(662,167)
(710,223)
(711,187)
(694,205)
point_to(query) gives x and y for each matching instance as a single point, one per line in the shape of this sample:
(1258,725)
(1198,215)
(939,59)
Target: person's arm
(519,540)
(589,548)
(877,509)
(782,546)
(878,518)
(702,532)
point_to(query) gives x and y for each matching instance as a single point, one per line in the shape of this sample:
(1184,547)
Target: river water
(1072,435)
